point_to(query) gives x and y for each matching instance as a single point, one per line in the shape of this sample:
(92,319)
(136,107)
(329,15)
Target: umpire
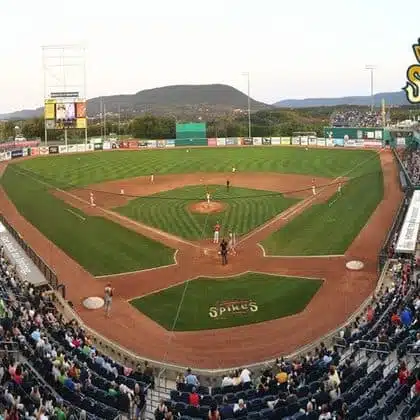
(224,251)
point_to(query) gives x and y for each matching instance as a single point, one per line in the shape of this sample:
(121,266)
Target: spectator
(191,379)
(239,409)
(403,373)
(214,413)
(194,398)
(325,413)
(226,410)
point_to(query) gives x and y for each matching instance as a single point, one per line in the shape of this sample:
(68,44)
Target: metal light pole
(249,103)
(372,69)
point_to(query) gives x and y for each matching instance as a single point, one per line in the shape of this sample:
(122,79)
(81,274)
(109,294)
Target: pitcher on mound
(208,198)
(216,233)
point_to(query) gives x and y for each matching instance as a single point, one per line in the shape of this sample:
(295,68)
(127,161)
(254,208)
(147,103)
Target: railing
(46,271)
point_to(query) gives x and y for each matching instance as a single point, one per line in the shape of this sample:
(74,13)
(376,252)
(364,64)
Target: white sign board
(407,240)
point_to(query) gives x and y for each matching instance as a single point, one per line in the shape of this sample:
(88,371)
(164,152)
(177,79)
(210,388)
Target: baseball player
(227,185)
(233,170)
(313,187)
(339,188)
(108,294)
(92,200)
(232,243)
(122,191)
(216,233)
(152,178)
(208,198)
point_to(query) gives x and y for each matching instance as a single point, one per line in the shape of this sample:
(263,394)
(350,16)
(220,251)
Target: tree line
(265,123)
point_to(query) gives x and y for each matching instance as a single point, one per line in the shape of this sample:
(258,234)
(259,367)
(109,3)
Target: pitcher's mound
(205,208)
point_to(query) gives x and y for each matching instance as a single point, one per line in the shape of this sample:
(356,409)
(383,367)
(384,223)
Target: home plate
(354,265)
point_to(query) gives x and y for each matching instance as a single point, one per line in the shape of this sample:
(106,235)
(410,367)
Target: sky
(291,49)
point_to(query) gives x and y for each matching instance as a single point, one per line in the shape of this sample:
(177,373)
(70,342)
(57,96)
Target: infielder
(152,178)
(233,170)
(313,189)
(92,200)
(232,243)
(122,191)
(208,198)
(216,233)
(339,188)
(108,294)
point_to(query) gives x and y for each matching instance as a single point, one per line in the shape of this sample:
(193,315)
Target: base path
(341,294)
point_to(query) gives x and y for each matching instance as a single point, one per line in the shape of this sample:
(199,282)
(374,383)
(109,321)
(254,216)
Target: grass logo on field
(412,88)
(232,307)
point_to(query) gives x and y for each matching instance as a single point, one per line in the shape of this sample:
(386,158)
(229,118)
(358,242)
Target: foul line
(76,214)
(299,256)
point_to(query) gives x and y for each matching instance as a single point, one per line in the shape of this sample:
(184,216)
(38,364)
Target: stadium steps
(162,390)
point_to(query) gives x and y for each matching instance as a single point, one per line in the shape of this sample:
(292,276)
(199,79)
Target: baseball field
(298,215)
(105,247)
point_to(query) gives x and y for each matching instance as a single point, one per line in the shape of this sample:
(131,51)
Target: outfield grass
(329,229)
(84,169)
(245,210)
(275,296)
(99,245)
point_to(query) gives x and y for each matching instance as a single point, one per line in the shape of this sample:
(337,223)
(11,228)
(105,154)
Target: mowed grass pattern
(326,229)
(84,169)
(275,296)
(99,245)
(245,210)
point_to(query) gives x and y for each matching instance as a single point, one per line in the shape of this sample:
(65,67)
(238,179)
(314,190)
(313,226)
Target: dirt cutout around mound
(341,294)
(203,207)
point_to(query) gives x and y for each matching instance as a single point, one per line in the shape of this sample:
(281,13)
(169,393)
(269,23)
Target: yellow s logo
(412,88)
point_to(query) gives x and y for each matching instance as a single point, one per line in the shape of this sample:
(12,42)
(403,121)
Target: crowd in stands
(411,160)
(50,369)
(363,376)
(356,118)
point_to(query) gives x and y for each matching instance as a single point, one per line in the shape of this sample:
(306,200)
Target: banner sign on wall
(34,151)
(17,153)
(304,140)
(360,143)
(72,148)
(89,147)
(53,150)
(221,141)
(275,141)
(25,151)
(170,143)
(5,156)
(338,142)
(349,142)
(312,141)
(372,143)
(212,142)
(62,149)
(266,141)
(19,144)
(161,144)
(231,141)
(98,146)
(320,142)
(400,141)
(81,148)
(247,141)
(106,145)
(329,142)
(296,141)
(407,241)
(257,141)
(134,144)
(151,144)
(43,150)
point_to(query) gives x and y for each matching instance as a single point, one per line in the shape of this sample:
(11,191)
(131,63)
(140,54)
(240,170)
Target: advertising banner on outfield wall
(372,143)
(275,141)
(151,144)
(338,142)
(62,149)
(231,141)
(170,143)
(320,142)
(106,145)
(400,141)
(5,156)
(81,148)
(25,151)
(211,142)
(17,153)
(360,143)
(247,141)
(43,150)
(304,140)
(134,144)
(329,142)
(257,141)
(349,142)
(98,146)
(53,150)
(72,148)
(34,151)
(296,141)
(221,141)
(266,141)
(312,141)
(161,144)
(285,141)
(89,147)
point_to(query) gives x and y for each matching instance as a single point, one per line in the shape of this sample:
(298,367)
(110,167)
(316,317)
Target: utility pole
(372,69)
(249,103)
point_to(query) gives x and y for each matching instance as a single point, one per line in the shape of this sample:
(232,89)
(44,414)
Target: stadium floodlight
(249,102)
(372,69)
